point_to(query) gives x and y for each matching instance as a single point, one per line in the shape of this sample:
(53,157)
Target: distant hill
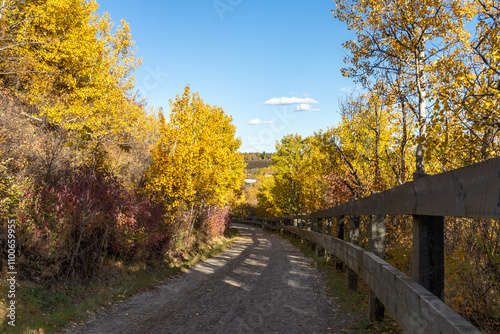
(258,164)
(257,156)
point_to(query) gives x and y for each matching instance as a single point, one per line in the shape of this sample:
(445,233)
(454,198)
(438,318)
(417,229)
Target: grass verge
(353,303)
(42,309)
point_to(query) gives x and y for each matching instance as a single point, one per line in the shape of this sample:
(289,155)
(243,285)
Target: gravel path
(262,284)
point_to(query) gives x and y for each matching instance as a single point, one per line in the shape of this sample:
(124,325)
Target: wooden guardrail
(416,304)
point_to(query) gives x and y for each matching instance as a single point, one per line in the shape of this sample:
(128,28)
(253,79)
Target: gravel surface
(262,284)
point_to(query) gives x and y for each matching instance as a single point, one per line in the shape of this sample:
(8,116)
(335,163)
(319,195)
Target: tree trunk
(404,141)
(422,110)
(2,9)
(378,175)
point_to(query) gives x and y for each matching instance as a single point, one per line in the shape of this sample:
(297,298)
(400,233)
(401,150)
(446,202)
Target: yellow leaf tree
(70,66)
(465,125)
(195,162)
(403,37)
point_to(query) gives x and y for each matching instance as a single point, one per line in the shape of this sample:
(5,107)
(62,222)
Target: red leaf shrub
(140,229)
(74,221)
(215,220)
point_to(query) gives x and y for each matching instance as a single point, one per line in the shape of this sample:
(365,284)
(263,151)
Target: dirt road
(262,284)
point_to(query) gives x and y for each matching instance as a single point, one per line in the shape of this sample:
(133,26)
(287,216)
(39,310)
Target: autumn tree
(361,149)
(315,166)
(73,139)
(195,162)
(295,184)
(404,37)
(70,67)
(287,162)
(267,205)
(465,124)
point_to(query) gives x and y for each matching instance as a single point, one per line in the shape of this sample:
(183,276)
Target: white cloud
(257,121)
(305,107)
(290,100)
(349,89)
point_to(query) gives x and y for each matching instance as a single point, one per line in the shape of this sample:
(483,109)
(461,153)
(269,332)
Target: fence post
(339,233)
(428,251)
(310,226)
(377,246)
(320,251)
(352,278)
(328,231)
(302,226)
(328,226)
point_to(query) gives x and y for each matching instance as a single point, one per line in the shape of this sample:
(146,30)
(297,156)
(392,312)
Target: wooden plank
(472,191)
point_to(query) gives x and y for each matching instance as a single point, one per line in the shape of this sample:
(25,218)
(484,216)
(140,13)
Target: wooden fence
(416,304)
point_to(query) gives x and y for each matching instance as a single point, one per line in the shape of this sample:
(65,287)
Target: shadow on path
(262,284)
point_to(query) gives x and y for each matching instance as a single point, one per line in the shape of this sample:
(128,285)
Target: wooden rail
(416,304)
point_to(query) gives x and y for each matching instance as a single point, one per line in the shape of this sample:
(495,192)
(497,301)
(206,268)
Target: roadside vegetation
(51,308)
(428,102)
(102,188)
(105,190)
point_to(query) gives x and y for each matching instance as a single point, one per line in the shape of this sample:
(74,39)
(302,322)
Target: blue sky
(273,65)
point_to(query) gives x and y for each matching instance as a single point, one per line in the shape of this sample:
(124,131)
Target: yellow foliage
(360,155)
(404,39)
(467,109)
(72,68)
(195,162)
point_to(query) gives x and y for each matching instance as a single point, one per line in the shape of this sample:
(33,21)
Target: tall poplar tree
(404,37)
(195,162)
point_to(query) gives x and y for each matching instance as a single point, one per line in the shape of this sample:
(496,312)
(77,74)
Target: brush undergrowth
(43,309)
